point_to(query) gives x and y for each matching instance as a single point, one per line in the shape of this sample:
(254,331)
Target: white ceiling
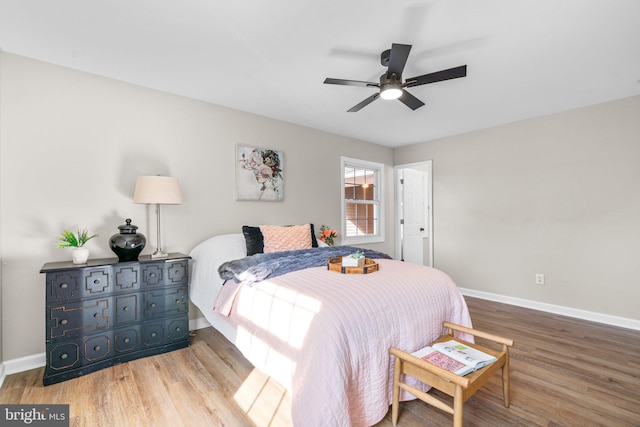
(525,58)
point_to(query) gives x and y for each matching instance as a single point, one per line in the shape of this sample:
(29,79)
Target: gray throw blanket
(255,268)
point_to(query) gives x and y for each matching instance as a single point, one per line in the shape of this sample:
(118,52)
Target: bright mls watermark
(34,415)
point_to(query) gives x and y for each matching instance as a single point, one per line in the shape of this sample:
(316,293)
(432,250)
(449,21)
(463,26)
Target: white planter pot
(80,255)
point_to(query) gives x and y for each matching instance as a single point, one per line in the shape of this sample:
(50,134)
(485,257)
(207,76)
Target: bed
(322,335)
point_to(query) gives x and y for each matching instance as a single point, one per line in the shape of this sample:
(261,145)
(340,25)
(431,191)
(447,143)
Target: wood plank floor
(565,372)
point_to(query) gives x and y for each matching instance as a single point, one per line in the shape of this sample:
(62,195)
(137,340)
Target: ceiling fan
(391,86)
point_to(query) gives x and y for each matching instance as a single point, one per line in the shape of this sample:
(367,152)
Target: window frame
(378,168)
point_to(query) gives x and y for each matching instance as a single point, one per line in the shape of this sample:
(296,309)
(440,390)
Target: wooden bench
(458,387)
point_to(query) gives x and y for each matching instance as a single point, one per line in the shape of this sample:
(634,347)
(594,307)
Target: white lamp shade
(162,190)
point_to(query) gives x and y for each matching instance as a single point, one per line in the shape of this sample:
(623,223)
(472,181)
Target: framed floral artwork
(259,174)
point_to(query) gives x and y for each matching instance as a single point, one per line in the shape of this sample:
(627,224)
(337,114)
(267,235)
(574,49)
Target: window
(362,213)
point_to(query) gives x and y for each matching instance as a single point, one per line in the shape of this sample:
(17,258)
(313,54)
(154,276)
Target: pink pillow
(288,238)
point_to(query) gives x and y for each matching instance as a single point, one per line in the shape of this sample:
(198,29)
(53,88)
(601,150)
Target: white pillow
(205,282)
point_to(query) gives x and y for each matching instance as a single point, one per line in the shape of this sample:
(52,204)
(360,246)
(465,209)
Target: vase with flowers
(69,239)
(327,234)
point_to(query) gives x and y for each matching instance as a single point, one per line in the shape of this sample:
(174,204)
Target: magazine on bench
(455,357)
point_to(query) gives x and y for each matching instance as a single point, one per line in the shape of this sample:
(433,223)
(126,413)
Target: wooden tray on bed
(335,264)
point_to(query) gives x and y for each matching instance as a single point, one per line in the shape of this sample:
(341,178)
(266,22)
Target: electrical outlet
(539,279)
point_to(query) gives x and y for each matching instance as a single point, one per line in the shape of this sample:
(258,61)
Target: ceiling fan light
(390,91)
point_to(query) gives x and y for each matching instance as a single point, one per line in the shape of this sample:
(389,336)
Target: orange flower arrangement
(327,234)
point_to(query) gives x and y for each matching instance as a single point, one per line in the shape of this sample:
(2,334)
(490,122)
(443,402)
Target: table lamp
(158,190)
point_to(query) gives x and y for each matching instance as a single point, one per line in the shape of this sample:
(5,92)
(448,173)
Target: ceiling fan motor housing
(384,57)
(384,79)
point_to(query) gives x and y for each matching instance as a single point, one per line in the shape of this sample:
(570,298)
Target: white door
(414,216)
(414,224)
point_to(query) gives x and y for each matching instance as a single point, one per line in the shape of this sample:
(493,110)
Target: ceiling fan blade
(398,59)
(329,81)
(410,101)
(438,76)
(364,103)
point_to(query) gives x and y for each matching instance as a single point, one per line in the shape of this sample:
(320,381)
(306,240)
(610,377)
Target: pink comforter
(325,336)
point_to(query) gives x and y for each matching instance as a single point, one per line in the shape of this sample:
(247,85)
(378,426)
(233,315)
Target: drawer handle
(153,305)
(177,301)
(96,282)
(153,334)
(64,356)
(95,315)
(64,286)
(64,321)
(176,271)
(152,275)
(96,348)
(126,340)
(178,329)
(126,309)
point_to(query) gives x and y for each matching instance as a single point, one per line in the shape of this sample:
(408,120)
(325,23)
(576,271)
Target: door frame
(398,205)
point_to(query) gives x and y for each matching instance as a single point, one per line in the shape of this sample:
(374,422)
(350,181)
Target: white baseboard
(38,360)
(608,319)
(35,361)
(198,323)
(24,363)
(21,364)
(3,375)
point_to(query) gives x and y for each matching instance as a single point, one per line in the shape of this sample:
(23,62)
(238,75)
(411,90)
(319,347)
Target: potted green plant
(68,239)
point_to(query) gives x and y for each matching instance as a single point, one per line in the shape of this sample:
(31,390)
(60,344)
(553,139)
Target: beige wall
(1,240)
(72,145)
(558,195)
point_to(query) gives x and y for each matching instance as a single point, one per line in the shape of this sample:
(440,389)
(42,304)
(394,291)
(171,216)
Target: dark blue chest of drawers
(107,312)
